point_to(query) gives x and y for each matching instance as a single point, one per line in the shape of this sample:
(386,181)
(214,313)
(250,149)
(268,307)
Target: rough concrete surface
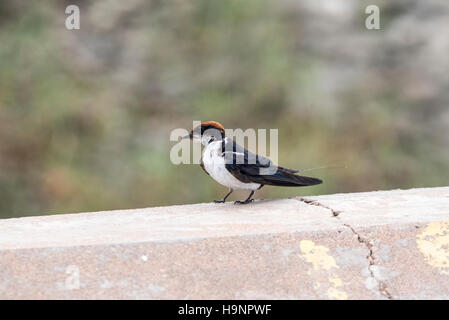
(374,245)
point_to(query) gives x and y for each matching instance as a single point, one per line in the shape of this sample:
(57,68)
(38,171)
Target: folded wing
(249,167)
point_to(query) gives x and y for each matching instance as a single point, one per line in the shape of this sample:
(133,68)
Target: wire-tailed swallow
(237,168)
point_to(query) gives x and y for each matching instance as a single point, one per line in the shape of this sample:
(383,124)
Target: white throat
(215,166)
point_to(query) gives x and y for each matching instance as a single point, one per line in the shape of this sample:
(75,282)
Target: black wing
(249,167)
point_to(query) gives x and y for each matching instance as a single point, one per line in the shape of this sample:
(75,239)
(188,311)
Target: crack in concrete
(316,203)
(372,262)
(370,257)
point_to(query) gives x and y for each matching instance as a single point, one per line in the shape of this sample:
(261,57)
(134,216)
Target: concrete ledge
(375,245)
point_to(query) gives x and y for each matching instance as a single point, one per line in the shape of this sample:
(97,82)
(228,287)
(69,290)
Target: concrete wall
(375,245)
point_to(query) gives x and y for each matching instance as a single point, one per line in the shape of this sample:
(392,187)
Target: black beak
(186,137)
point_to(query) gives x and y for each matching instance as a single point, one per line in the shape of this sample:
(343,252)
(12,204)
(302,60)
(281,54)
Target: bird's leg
(224,199)
(247,200)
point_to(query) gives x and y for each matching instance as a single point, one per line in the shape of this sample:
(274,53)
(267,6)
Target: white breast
(214,164)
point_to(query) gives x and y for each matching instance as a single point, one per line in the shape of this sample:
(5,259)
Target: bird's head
(207,132)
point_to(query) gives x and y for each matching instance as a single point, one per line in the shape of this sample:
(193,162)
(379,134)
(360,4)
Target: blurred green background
(85,115)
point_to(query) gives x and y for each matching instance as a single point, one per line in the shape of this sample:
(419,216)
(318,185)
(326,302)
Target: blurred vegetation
(85,115)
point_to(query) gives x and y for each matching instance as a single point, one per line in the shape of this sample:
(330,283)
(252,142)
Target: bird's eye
(211,139)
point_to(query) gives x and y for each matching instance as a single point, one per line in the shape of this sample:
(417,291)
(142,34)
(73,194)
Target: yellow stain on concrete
(317,255)
(336,290)
(320,259)
(433,242)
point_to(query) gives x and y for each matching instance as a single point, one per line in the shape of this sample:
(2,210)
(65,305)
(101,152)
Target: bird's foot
(219,201)
(244,202)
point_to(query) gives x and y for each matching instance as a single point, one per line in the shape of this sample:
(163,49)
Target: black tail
(287,179)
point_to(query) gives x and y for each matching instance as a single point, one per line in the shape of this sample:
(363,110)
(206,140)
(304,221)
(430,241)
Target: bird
(231,165)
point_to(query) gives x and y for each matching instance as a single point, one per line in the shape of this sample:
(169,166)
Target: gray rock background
(85,115)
